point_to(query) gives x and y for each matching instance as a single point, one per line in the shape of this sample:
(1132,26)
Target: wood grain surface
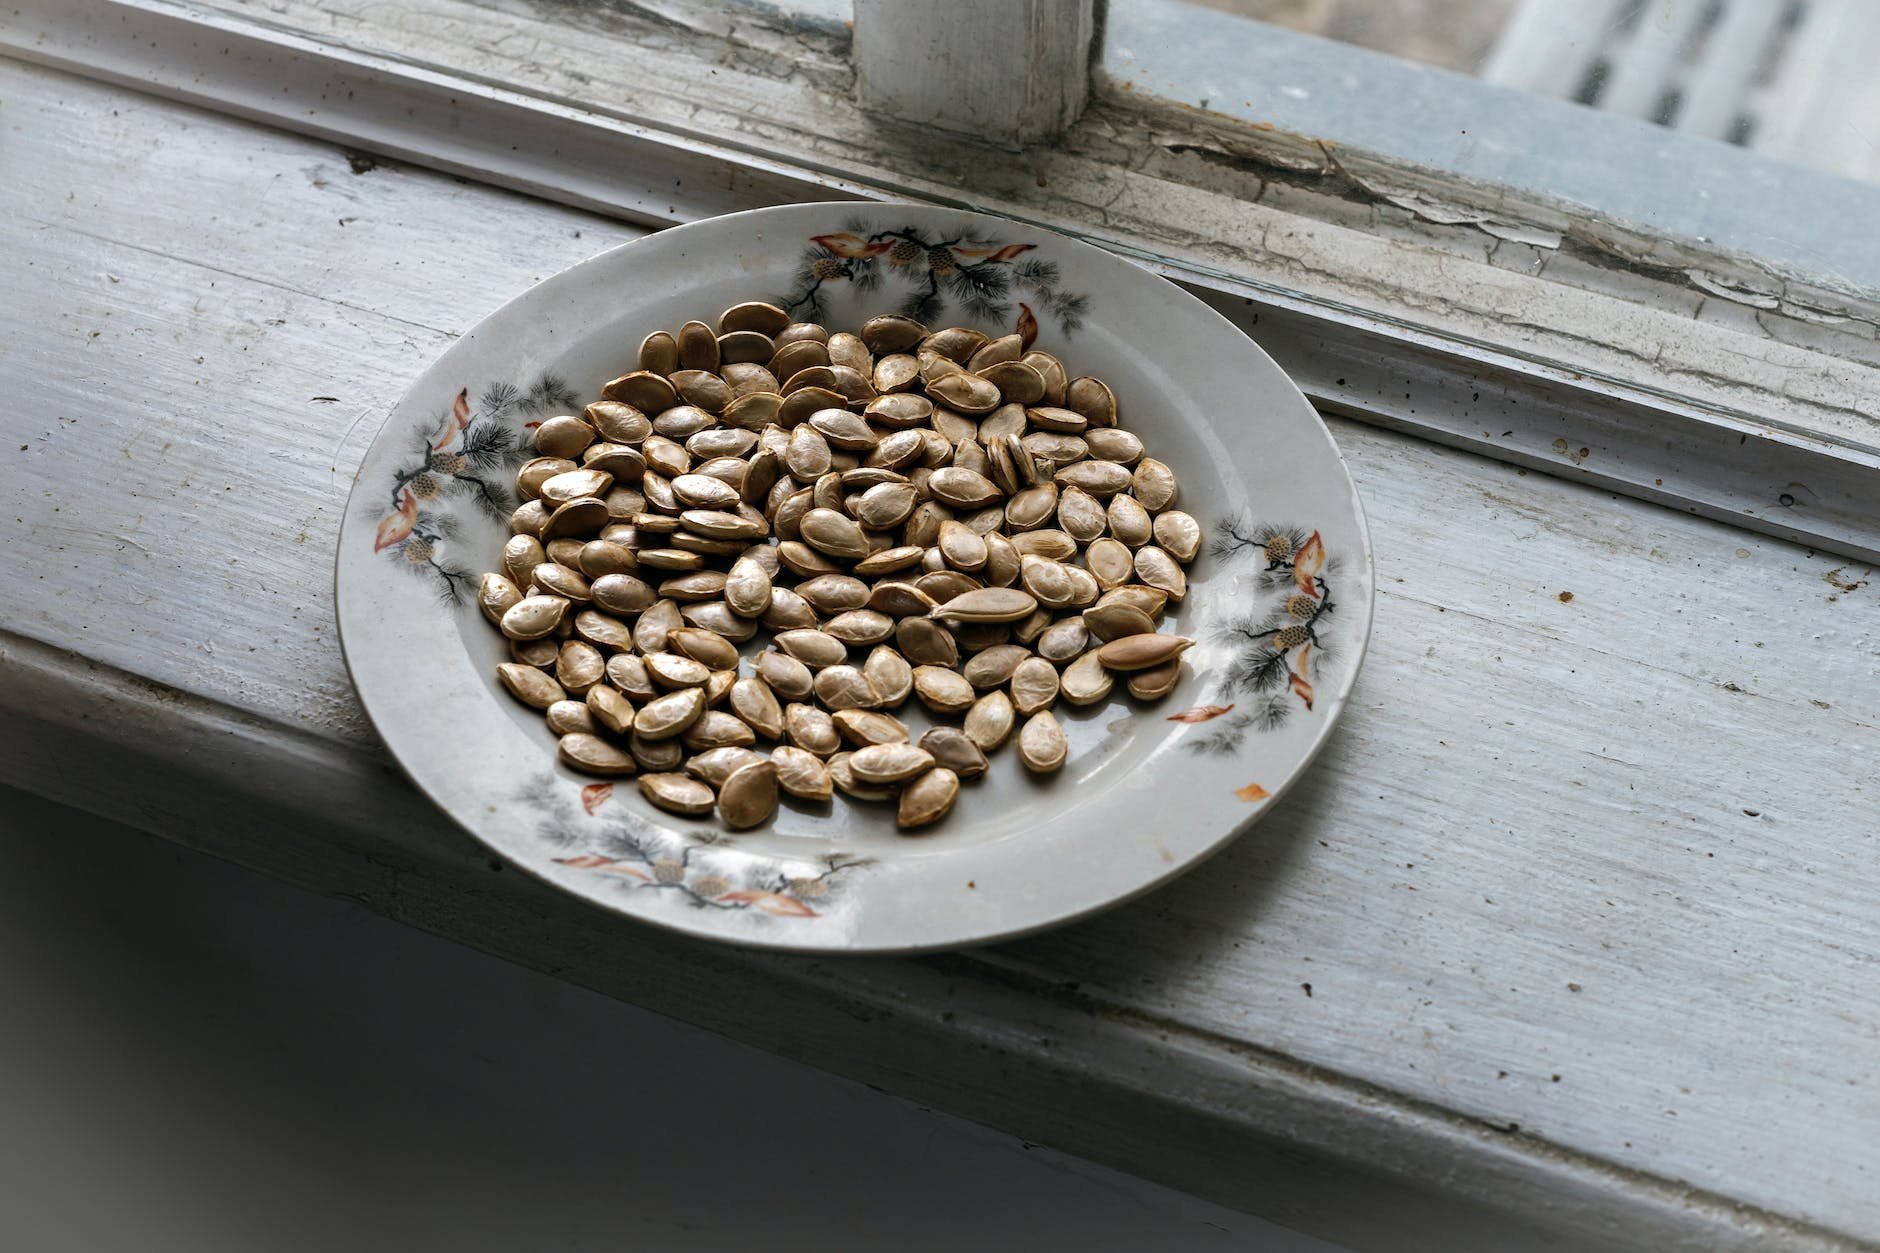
(1571,932)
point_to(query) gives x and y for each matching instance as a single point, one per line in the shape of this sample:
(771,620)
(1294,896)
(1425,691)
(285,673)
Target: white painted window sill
(1570,934)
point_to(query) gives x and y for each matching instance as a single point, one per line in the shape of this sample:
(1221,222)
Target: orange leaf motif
(1252,792)
(772,903)
(594,795)
(459,418)
(1301,688)
(587,861)
(1027,326)
(1200,713)
(854,247)
(1307,562)
(395,526)
(996,254)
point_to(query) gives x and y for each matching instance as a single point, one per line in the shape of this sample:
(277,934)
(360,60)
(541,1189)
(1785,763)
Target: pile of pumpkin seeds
(912,514)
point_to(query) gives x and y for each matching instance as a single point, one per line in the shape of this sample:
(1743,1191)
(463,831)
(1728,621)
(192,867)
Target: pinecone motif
(905,252)
(449,462)
(808,888)
(1291,637)
(1278,548)
(941,261)
(668,871)
(1300,605)
(826,268)
(419,550)
(423,486)
(710,886)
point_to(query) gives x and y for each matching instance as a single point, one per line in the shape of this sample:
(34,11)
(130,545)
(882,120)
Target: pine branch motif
(1281,645)
(462,461)
(704,871)
(982,277)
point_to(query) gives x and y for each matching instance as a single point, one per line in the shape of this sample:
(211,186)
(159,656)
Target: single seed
(716,729)
(533,617)
(787,677)
(862,727)
(989,722)
(801,773)
(529,685)
(568,716)
(1157,681)
(927,799)
(609,709)
(666,716)
(810,729)
(677,794)
(1178,534)
(954,749)
(889,763)
(1034,685)
(845,687)
(753,701)
(987,604)
(1065,641)
(853,787)
(590,754)
(1085,681)
(715,765)
(992,666)
(1139,652)
(1041,743)
(1160,571)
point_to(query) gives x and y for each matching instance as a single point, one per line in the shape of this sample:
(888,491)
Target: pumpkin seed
(656,755)
(890,332)
(1085,681)
(579,666)
(1153,484)
(845,687)
(677,794)
(1065,640)
(843,429)
(1160,571)
(788,611)
(1041,743)
(714,765)
(590,754)
(862,727)
(787,677)
(966,489)
(926,642)
(1102,479)
(835,534)
(579,517)
(989,722)
(670,670)
(496,595)
(619,423)
(888,561)
(1052,545)
(753,315)
(843,778)
(1117,620)
(954,749)
(801,773)
(858,627)
(533,617)
(666,716)
(564,436)
(1057,420)
(627,671)
(1092,398)
(1139,652)
(810,729)
(1113,444)
(649,632)
(992,666)
(927,799)
(659,353)
(568,716)
(987,604)
(716,729)
(813,648)
(1178,534)
(609,709)
(890,674)
(943,690)
(1110,562)
(529,685)
(748,588)
(753,701)
(889,763)
(716,616)
(1157,681)
(1034,685)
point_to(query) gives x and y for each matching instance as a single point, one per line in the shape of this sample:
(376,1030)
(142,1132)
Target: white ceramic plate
(1280,600)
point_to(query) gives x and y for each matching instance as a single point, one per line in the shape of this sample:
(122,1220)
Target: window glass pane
(1748,126)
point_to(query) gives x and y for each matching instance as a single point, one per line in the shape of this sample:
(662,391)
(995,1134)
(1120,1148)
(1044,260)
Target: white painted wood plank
(1512,763)
(1001,71)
